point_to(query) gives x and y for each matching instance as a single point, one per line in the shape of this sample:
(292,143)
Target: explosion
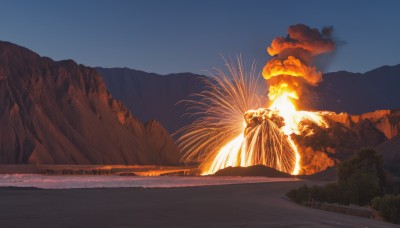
(234,131)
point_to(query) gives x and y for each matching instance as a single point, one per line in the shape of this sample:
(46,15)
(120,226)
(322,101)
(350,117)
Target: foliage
(361,188)
(360,179)
(332,193)
(389,207)
(365,161)
(299,195)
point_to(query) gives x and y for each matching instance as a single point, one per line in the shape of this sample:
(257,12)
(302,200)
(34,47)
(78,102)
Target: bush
(299,195)
(389,207)
(315,193)
(333,193)
(360,179)
(361,188)
(365,161)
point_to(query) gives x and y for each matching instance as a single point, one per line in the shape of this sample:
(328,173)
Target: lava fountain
(234,131)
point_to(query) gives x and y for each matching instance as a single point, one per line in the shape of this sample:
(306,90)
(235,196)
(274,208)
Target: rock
(152,96)
(59,112)
(161,143)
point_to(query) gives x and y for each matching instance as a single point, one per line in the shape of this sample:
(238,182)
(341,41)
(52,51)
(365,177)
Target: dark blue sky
(189,36)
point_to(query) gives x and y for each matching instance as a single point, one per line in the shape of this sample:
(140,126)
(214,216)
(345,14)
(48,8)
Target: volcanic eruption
(240,127)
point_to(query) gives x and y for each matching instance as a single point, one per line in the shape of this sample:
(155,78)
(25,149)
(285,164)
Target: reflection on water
(113,181)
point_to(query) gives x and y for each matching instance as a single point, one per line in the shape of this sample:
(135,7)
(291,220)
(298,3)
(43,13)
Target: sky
(191,36)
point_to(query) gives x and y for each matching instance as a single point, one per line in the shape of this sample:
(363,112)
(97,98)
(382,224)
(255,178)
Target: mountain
(153,96)
(145,94)
(357,93)
(59,112)
(345,135)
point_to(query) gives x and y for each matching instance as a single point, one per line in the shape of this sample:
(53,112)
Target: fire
(292,118)
(262,142)
(292,67)
(227,156)
(219,139)
(281,153)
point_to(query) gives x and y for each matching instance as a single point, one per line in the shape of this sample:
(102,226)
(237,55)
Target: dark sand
(244,205)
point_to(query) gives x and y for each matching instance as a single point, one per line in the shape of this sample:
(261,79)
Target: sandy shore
(244,205)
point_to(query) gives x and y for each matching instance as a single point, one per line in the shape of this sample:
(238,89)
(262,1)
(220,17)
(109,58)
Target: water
(111,181)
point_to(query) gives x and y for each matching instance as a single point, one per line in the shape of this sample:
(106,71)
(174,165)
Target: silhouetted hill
(59,112)
(257,170)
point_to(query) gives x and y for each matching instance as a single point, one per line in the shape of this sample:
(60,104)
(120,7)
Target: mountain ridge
(353,93)
(59,112)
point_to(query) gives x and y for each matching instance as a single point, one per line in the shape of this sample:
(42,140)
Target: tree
(365,161)
(361,188)
(360,179)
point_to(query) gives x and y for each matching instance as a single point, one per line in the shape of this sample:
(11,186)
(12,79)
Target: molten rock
(265,143)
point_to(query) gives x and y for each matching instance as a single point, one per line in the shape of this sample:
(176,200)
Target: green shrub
(314,193)
(317,193)
(360,179)
(299,195)
(389,207)
(361,188)
(364,161)
(333,193)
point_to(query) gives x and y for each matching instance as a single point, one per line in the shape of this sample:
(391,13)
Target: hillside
(59,112)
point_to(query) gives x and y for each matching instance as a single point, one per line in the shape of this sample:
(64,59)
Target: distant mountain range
(153,96)
(59,112)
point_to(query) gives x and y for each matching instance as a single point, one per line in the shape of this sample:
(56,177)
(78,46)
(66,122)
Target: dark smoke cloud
(303,42)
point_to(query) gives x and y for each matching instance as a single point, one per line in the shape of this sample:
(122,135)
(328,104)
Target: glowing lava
(218,138)
(267,138)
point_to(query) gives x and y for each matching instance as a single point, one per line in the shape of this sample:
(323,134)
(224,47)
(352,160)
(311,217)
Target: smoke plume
(291,66)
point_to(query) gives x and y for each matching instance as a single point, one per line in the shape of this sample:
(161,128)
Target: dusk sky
(189,36)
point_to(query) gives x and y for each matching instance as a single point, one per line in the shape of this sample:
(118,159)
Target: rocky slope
(345,135)
(61,113)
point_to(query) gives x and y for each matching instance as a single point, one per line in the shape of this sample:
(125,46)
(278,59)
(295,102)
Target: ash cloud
(303,42)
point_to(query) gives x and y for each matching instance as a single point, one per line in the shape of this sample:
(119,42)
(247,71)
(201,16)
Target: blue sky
(189,36)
